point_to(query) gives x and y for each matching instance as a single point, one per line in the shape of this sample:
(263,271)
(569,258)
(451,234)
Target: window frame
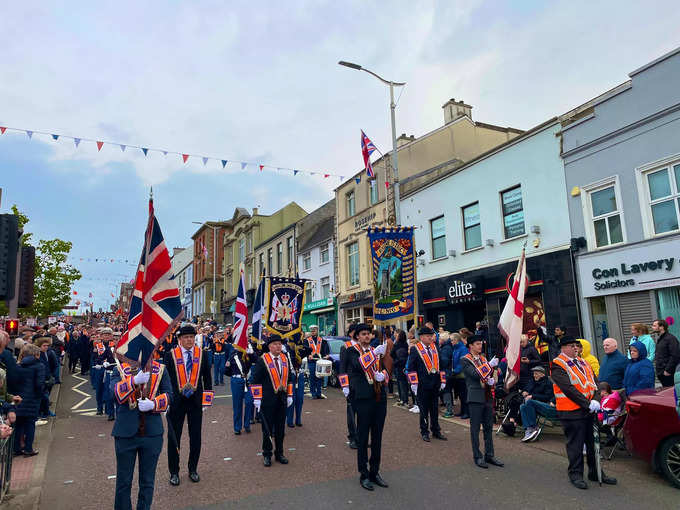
(350,198)
(261,260)
(307,257)
(290,252)
(328,253)
(587,211)
(322,286)
(350,282)
(373,185)
(503,215)
(645,201)
(242,249)
(270,261)
(462,219)
(279,258)
(433,239)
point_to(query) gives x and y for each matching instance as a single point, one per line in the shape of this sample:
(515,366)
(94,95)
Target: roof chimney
(255,209)
(403,139)
(455,109)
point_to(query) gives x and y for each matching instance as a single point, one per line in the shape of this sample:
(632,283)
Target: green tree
(23,219)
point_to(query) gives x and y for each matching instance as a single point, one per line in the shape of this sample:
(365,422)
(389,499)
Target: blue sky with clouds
(262,84)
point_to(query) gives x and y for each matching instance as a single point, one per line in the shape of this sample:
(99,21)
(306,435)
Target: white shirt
(186,355)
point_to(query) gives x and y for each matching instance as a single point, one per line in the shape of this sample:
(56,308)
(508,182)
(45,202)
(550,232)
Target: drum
(324,368)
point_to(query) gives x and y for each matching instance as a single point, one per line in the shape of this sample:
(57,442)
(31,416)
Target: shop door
(634,307)
(669,306)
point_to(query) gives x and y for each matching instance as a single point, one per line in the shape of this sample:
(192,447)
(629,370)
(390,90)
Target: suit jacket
(476,388)
(359,386)
(260,375)
(204,382)
(127,420)
(426,380)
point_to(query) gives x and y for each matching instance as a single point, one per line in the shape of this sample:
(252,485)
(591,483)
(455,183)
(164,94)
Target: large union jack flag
(367,148)
(241,317)
(155,305)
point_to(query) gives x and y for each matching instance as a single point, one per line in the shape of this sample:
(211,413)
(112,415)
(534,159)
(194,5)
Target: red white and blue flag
(511,321)
(241,316)
(367,148)
(155,305)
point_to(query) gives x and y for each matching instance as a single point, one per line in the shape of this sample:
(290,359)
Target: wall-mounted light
(489,242)
(421,262)
(535,229)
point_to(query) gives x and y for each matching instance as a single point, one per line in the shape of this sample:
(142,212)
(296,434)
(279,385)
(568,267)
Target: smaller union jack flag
(240,333)
(367,148)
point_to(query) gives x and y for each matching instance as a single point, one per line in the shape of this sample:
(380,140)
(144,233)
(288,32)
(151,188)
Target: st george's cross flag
(155,305)
(241,317)
(367,148)
(510,323)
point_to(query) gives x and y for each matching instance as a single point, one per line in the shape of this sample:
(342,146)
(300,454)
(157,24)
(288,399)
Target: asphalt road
(322,470)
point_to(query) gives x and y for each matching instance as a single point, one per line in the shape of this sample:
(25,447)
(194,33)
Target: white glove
(414,389)
(490,381)
(107,364)
(257,403)
(379,376)
(283,348)
(98,367)
(442,386)
(545,331)
(249,350)
(345,392)
(594,406)
(289,401)
(494,362)
(141,378)
(380,350)
(145,405)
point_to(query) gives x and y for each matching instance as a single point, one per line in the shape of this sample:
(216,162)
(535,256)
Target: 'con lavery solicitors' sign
(635,268)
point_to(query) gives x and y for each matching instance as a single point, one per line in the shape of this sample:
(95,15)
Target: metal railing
(6,454)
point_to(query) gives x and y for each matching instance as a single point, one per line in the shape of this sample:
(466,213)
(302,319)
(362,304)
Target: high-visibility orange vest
(581,378)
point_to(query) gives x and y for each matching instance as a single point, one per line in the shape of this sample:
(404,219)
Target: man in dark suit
(423,360)
(367,385)
(346,390)
(272,390)
(189,372)
(138,430)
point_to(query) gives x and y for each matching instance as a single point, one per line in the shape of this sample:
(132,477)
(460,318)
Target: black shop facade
(463,299)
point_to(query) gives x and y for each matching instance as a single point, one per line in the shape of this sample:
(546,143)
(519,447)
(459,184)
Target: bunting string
(185,156)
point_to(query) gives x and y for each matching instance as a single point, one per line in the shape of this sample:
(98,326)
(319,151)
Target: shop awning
(323,310)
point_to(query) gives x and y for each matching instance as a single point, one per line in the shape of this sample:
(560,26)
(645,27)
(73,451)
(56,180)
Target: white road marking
(75,388)
(321,446)
(66,482)
(291,449)
(110,477)
(227,458)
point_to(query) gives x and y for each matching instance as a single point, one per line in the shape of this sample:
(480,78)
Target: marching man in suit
(272,390)
(189,373)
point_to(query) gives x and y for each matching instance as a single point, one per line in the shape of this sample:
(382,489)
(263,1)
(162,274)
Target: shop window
(325,287)
(664,198)
(471,226)
(289,243)
(605,225)
(279,258)
(668,302)
(373,191)
(353,263)
(351,205)
(270,261)
(307,261)
(325,253)
(513,212)
(353,315)
(598,312)
(438,233)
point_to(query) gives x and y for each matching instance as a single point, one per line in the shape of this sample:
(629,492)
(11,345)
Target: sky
(262,85)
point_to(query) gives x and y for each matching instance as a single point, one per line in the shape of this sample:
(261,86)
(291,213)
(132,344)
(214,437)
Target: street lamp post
(214,229)
(395,162)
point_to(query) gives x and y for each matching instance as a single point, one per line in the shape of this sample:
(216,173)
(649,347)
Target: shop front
(355,308)
(323,313)
(633,283)
(461,300)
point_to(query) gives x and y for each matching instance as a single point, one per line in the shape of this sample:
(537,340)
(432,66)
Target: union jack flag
(155,305)
(367,148)
(241,316)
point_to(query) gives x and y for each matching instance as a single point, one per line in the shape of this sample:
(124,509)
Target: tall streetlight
(395,163)
(214,229)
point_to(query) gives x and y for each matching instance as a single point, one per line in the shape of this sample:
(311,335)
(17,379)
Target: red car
(652,431)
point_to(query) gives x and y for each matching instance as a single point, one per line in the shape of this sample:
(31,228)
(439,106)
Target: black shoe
(494,461)
(174,480)
(579,484)
(194,477)
(608,480)
(426,438)
(31,453)
(366,484)
(291,426)
(18,453)
(111,418)
(281,459)
(464,416)
(480,463)
(353,445)
(377,479)
(267,461)
(237,432)
(248,430)
(99,413)
(440,436)
(298,424)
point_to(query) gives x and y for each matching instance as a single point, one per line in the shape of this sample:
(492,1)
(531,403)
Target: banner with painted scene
(393,265)
(284,303)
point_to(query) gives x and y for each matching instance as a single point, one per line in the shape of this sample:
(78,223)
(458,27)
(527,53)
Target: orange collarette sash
(368,362)
(279,382)
(100,348)
(183,381)
(431,363)
(315,346)
(483,369)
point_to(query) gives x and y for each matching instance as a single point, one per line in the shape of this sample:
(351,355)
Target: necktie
(278,366)
(190,362)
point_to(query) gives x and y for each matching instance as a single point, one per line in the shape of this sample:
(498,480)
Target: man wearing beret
(191,384)
(272,390)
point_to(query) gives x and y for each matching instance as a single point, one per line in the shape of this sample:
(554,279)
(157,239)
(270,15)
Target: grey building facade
(621,152)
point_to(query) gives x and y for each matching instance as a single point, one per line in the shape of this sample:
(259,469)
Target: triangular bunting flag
(145,150)
(122,147)
(205,161)
(357,180)
(185,157)
(30,134)
(165,153)
(55,137)
(295,172)
(261,167)
(278,169)
(224,163)
(99,146)
(76,141)
(2,130)
(326,176)
(387,184)
(243,165)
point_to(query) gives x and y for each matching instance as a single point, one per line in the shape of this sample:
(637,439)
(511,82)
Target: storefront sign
(643,267)
(462,291)
(319,303)
(355,296)
(364,221)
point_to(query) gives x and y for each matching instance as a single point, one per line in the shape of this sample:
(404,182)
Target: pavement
(80,469)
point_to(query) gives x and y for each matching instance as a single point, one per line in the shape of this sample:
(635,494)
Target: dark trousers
(402,386)
(578,433)
(240,396)
(351,419)
(219,367)
(295,411)
(72,360)
(274,416)
(665,380)
(370,421)
(84,364)
(428,403)
(481,414)
(314,381)
(194,416)
(460,391)
(127,449)
(24,426)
